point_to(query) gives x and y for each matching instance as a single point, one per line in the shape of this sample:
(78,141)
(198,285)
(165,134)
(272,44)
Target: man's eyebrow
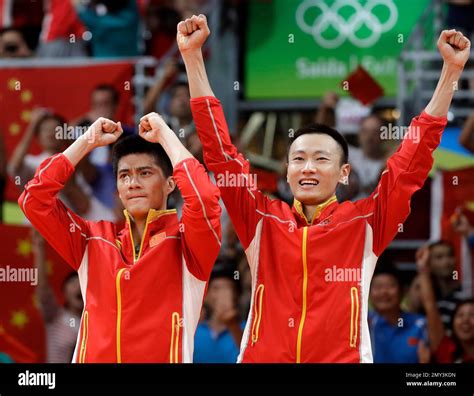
(146,167)
(316,152)
(140,168)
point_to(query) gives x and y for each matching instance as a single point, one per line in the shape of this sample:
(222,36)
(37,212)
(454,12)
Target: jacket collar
(298,210)
(156,220)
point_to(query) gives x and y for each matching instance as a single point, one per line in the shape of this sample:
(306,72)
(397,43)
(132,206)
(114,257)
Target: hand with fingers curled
(192,33)
(103,132)
(152,127)
(454,47)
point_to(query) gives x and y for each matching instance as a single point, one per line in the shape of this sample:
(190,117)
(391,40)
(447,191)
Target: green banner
(299,49)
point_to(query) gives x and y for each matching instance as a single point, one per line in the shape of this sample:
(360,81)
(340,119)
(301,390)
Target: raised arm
(245,204)
(48,304)
(165,75)
(454,48)
(65,231)
(436,329)
(201,234)
(388,206)
(15,166)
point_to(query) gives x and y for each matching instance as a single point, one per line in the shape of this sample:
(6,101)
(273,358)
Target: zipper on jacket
(85,331)
(354,317)
(305,291)
(119,312)
(257,309)
(174,344)
(152,215)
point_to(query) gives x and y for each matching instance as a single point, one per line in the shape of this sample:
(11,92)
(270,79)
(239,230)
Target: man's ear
(170,185)
(345,172)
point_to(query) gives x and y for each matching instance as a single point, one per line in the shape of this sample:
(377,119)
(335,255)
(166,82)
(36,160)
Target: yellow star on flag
(26,115)
(23,247)
(19,319)
(14,129)
(26,96)
(13,83)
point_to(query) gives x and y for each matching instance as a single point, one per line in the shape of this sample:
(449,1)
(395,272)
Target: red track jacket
(310,280)
(137,307)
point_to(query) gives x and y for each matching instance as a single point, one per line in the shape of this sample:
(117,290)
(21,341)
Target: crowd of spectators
(428,319)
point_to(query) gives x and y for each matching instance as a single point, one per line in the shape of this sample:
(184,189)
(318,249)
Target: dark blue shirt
(397,343)
(210,347)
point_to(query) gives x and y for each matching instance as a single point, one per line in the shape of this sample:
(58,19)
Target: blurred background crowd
(64,63)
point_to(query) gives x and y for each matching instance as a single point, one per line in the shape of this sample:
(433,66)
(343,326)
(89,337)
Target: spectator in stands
(104,103)
(218,338)
(21,166)
(368,160)
(62,323)
(442,263)
(3,174)
(13,44)
(466,138)
(61,33)
(460,16)
(114,25)
(459,348)
(177,113)
(397,336)
(462,226)
(160,35)
(326,113)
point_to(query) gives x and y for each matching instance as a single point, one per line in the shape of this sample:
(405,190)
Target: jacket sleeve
(66,232)
(389,205)
(200,218)
(244,202)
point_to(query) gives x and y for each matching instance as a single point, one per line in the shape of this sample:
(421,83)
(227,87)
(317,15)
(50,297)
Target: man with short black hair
(142,285)
(312,264)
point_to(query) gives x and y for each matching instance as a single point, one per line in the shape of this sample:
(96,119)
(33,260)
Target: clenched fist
(103,132)
(152,127)
(454,47)
(192,33)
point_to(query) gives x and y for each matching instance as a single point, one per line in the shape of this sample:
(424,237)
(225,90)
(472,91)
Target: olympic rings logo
(346,28)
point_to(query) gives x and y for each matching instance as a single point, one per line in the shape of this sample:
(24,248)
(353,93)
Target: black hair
(68,278)
(135,144)
(458,352)
(54,116)
(386,269)
(176,85)
(441,242)
(226,268)
(109,88)
(325,130)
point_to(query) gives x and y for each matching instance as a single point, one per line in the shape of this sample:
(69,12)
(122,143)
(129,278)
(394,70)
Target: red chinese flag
(64,89)
(362,86)
(22,334)
(457,193)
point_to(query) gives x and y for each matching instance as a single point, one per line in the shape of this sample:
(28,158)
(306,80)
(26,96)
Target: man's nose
(134,182)
(309,167)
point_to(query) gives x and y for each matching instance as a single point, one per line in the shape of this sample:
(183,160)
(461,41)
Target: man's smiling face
(315,168)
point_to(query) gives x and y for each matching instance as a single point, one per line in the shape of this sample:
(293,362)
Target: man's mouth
(309,182)
(136,197)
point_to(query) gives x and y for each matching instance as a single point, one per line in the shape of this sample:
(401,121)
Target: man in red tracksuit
(143,286)
(311,264)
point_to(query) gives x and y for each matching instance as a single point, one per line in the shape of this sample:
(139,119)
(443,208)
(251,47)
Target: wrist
(452,71)
(191,55)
